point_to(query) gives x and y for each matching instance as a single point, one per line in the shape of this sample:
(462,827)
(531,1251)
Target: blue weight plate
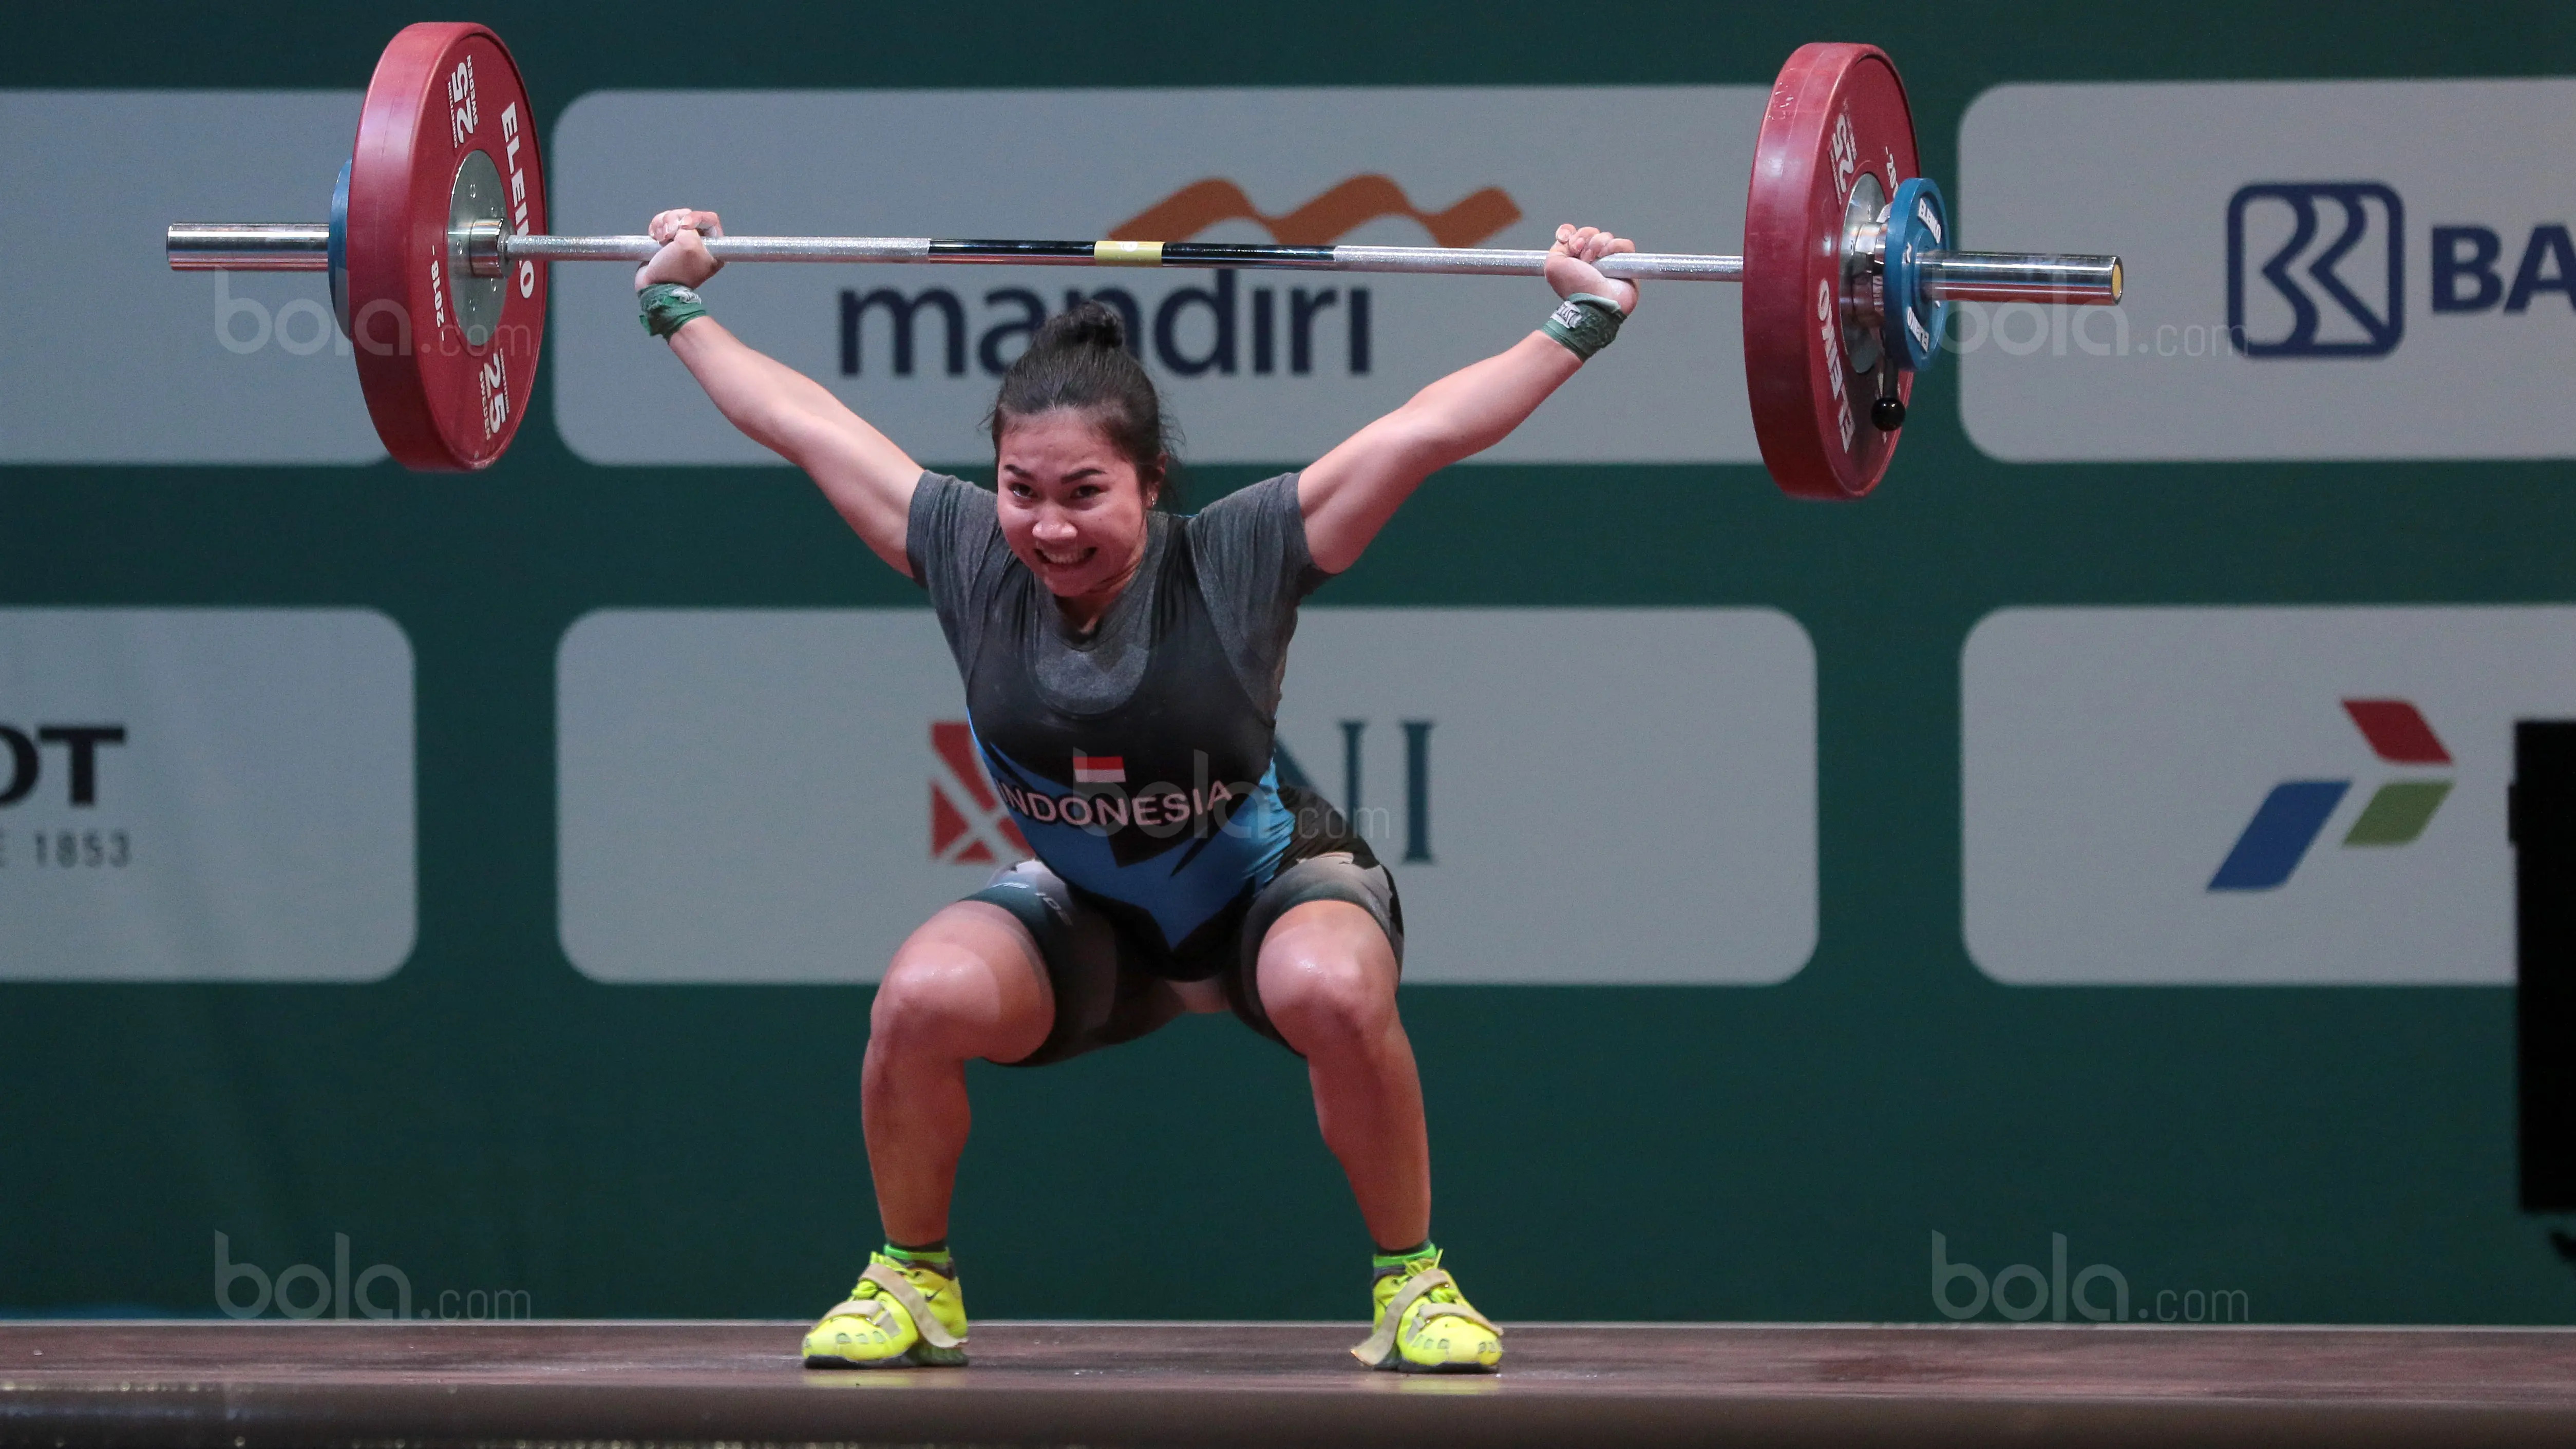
(1917,222)
(340,248)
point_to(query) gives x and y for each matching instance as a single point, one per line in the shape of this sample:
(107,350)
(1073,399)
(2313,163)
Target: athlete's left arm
(1350,492)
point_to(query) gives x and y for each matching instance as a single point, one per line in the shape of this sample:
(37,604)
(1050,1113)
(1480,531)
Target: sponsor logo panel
(742,791)
(205,795)
(2345,269)
(1259,366)
(121,360)
(2249,796)
(2295,813)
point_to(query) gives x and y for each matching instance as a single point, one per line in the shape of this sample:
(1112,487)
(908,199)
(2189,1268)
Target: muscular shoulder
(1253,533)
(946,511)
(953,541)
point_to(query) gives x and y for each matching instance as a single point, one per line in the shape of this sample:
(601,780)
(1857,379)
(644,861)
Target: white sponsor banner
(1272,367)
(2340,269)
(2249,796)
(113,357)
(205,795)
(1585,796)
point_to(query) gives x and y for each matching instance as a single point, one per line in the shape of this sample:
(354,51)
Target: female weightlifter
(1122,669)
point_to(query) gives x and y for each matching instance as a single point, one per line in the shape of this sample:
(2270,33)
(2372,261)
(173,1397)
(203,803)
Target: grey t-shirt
(1253,567)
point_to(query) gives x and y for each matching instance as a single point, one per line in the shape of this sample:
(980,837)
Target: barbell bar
(1848,268)
(487,249)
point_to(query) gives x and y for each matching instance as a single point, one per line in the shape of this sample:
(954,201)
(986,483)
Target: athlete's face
(1072,508)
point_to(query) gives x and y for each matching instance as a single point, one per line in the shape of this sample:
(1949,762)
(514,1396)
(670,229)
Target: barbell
(437,252)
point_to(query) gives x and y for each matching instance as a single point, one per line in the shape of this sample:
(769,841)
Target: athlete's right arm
(868,480)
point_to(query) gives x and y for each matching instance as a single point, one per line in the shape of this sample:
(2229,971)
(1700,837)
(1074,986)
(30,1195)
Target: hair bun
(1086,324)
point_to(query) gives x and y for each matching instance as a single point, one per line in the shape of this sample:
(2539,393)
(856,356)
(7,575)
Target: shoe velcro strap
(1374,1349)
(899,1288)
(874,1310)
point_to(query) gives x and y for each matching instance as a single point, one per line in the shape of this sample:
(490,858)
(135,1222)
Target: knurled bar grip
(1953,276)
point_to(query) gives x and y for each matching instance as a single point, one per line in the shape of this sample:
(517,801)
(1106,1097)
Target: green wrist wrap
(1584,323)
(667,305)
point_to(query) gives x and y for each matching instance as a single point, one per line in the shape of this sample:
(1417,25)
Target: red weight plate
(446,390)
(1836,112)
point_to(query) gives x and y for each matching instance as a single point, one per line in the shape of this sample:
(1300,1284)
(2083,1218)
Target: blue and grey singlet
(1138,762)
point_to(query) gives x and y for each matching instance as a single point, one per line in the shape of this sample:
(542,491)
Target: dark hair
(1079,360)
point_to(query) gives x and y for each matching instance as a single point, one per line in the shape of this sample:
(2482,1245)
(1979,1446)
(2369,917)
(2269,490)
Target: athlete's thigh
(1100,991)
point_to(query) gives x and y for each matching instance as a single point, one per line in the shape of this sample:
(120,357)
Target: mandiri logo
(1340,209)
(2296,811)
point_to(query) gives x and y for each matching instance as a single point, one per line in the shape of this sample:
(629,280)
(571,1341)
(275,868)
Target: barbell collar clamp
(481,243)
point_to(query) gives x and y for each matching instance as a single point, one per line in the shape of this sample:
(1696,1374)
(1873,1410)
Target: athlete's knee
(1324,988)
(947,992)
(926,998)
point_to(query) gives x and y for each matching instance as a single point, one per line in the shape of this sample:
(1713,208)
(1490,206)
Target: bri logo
(2296,811)
(2331,255)
(968,825)
(2360,208)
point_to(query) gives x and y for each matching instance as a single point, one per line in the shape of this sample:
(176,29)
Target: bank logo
(1226,328)
(1340,210)
(967,823)
(2314,268)
(2295,813)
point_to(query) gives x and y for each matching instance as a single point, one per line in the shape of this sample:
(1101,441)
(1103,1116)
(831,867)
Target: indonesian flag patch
(1099,770)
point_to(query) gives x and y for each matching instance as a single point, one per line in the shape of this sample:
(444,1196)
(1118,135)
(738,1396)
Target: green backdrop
(489,1119)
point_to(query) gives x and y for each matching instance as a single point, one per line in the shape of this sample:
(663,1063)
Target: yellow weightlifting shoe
(1425,1325)
(901,1315)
